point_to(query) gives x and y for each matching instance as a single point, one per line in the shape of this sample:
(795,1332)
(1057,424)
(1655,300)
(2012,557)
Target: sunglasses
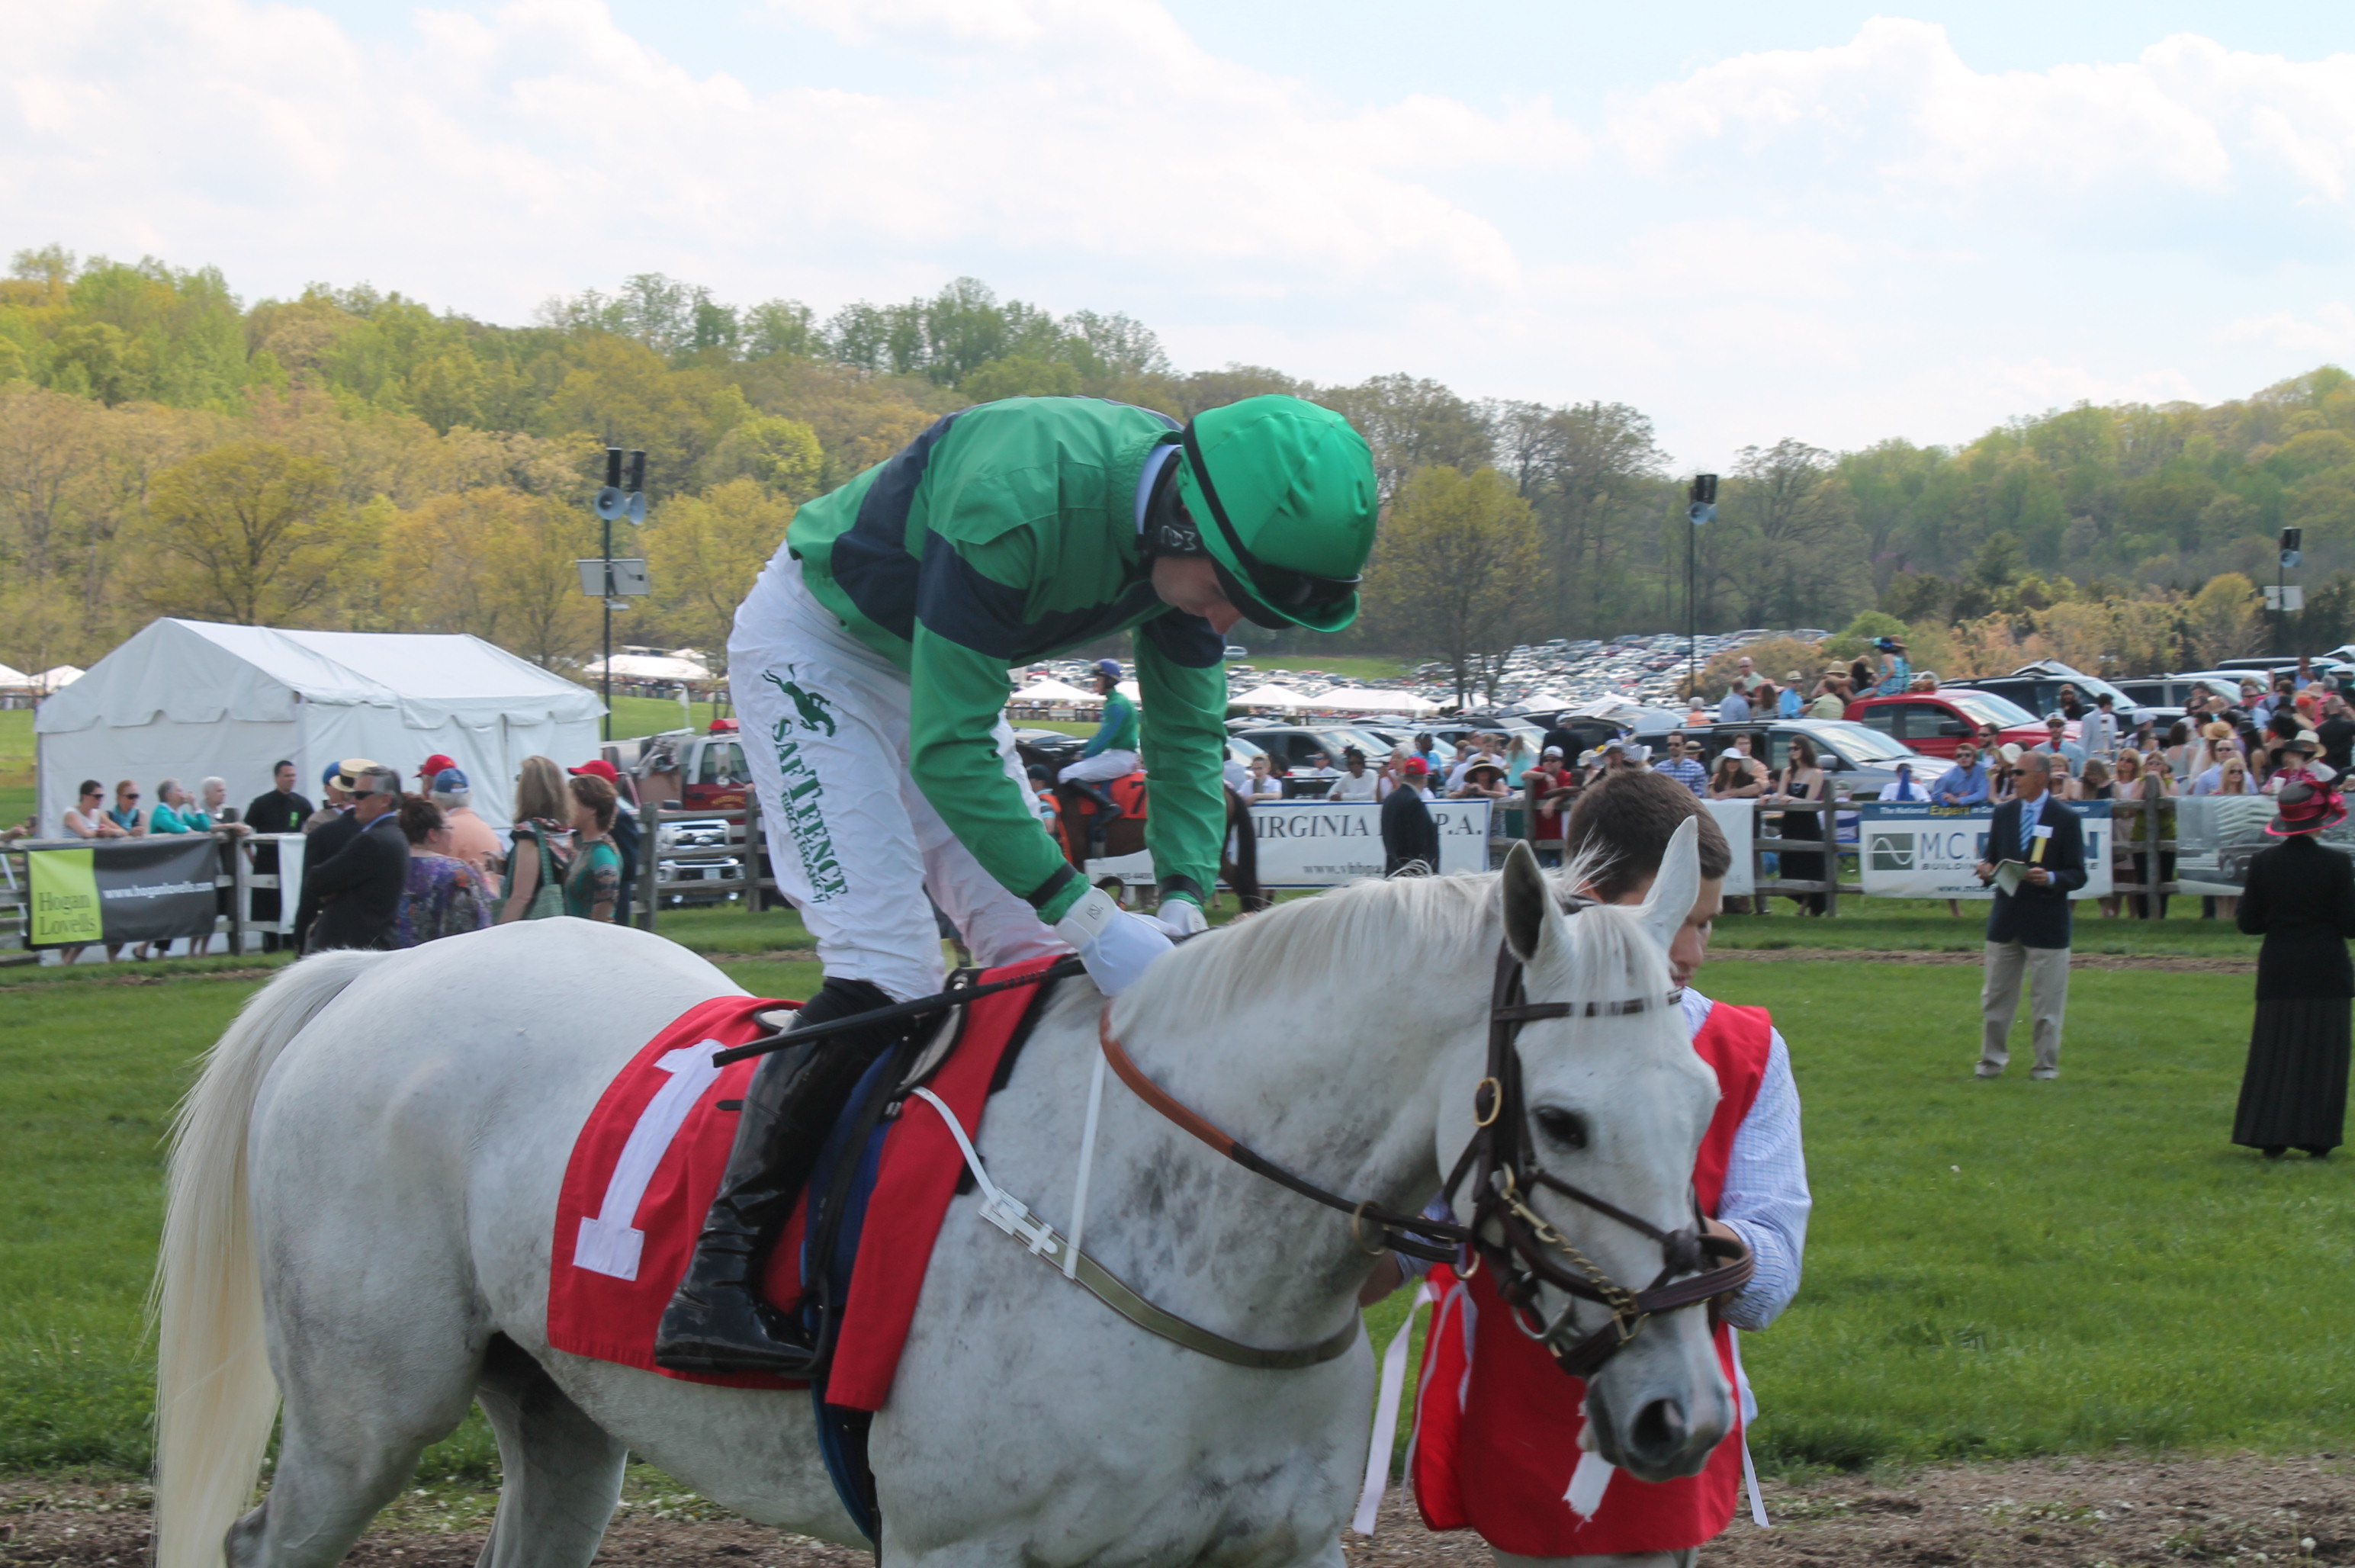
(1273,590)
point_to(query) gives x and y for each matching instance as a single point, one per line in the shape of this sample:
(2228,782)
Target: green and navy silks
(1116,732)
(1003,535)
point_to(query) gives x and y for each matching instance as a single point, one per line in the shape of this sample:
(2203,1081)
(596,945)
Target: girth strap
(1009,1214)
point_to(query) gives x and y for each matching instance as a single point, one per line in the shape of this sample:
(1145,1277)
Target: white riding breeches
(1103,766)
(852,841)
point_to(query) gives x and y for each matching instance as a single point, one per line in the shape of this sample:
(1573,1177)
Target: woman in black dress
(2301,898)
(1803,780)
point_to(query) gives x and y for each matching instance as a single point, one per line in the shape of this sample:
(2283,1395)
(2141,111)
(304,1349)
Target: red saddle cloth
(647,1163)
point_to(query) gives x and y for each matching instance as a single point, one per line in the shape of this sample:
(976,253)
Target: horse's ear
(1676,885)
(1527,901)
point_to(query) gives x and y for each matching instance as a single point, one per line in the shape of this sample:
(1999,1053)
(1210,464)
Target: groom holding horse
(869,665)
(1505,1457)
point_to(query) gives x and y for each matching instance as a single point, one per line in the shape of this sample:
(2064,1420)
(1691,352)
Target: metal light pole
(2282,595)
(1703,508)
(617,580)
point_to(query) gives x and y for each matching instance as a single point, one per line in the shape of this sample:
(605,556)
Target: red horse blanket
(647,1165)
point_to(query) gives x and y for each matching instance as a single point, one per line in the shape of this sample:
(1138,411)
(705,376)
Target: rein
(1525,1248)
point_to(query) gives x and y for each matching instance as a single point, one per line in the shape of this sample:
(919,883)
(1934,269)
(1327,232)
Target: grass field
(15,764)
(634,716)
(1919,925)
(1367,667)
(1994,1269)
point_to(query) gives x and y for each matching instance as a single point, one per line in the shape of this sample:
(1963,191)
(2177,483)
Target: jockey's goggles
(1274,596)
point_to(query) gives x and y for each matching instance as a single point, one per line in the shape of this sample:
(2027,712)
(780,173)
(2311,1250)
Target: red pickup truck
(1934,723)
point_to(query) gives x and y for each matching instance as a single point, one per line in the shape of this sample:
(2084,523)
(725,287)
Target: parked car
(1862,759)
(1934,723)
(1051,746)
(688,772)
(1289,746)
(2171,691)
(2037,687)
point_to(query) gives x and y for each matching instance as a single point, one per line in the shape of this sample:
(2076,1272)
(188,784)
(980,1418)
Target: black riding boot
(717,1321)
(1108,809)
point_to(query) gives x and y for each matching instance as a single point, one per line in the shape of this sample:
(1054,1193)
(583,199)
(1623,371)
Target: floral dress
(446,897)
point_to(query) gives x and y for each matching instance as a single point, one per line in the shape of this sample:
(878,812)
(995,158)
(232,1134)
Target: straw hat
(2012,753)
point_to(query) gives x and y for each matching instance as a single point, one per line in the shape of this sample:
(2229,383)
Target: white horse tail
(215,1397)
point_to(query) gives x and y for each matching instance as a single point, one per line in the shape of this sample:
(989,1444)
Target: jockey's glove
(1115,944)
(1181,916)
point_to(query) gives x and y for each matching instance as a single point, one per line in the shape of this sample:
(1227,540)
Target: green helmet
(1283,492)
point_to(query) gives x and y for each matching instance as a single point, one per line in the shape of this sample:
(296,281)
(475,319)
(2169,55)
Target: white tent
(1128,688)
(187,699)
(1047,693)
(57,677)
(1359,699)
(662,667)
(17,680)
(1269,695)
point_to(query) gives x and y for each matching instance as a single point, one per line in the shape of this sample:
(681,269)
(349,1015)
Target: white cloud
(1897,109)
(2328,332)
(536,136)
(1840,244)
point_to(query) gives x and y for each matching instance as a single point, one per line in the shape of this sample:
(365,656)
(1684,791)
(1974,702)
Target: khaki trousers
(2048,985)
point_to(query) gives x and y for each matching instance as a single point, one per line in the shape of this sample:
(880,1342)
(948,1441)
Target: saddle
(1083,819)
(852,1261)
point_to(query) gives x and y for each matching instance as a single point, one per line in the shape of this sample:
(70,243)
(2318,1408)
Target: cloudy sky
(1750,221)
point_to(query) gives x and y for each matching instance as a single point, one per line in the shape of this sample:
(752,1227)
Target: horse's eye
(1563,1129)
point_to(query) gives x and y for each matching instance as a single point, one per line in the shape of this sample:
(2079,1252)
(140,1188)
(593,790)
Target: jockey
(869,664)
(1498,1456)
(1111,753)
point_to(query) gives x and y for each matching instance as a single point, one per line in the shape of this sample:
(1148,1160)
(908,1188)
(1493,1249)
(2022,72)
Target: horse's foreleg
(560,1472)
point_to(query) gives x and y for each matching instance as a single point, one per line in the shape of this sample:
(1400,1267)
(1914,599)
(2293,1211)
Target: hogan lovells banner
(140,889)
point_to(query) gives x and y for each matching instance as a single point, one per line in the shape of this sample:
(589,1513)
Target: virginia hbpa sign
(1322,844)
(1317,843)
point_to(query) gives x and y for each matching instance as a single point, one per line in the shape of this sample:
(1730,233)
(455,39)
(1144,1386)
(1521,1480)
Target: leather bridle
(1506,1232)
(1524,1249)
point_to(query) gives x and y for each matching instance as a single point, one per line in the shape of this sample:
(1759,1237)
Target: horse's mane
(1385,934)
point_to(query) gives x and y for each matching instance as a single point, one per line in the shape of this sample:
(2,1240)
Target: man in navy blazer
(2028,930)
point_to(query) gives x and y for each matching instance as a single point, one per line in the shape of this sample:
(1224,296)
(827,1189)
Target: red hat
(436,764)
(601,768)
(2307,805)
(1417,765)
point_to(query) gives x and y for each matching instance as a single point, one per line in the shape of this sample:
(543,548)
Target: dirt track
(2034,1514)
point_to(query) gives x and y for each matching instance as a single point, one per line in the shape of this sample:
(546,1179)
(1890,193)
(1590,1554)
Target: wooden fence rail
(722,855)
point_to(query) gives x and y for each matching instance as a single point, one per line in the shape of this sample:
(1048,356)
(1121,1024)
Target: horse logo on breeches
(808,704)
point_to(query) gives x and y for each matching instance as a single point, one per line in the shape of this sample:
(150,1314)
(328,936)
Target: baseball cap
(451,781)
(1417,765)
(435,764)
(600,768)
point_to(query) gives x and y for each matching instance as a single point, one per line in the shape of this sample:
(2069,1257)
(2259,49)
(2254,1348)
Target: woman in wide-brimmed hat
(2300,897)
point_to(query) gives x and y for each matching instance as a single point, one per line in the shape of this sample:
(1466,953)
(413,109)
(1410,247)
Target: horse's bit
(1506,1232)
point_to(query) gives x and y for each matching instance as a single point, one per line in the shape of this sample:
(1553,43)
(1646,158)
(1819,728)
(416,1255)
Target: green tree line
(351,458)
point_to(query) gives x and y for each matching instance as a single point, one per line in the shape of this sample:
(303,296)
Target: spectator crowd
(389,866)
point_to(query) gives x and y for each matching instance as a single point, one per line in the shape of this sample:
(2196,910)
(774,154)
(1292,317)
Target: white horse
(365,1178)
